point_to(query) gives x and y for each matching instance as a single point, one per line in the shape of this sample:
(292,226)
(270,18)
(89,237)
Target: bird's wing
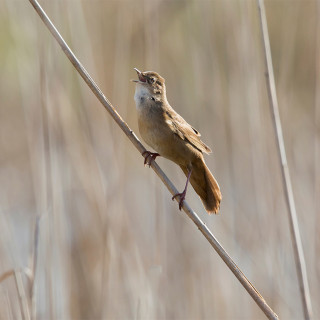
(183,129)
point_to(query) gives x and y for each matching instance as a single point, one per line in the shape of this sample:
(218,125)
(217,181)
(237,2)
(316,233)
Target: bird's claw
(182,196)
(149,157)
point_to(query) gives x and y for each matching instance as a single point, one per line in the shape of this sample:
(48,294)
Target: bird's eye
(151,80)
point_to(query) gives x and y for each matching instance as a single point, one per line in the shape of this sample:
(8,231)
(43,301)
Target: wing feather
(186,132)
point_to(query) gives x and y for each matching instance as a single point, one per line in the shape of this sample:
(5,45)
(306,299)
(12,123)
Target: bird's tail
(205,185)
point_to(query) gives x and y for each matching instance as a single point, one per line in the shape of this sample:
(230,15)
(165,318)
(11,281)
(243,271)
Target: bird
(165,131)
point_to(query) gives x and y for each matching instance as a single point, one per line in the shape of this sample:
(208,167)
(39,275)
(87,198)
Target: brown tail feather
(205,185)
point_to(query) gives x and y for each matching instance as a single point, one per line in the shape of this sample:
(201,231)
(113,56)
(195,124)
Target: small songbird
(173,138)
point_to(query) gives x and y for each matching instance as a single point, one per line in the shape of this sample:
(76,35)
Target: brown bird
(173,138)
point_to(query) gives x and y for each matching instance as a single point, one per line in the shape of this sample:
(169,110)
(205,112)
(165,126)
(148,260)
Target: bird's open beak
(142,78)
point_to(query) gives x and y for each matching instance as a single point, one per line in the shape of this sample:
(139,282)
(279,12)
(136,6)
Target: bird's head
(153,82)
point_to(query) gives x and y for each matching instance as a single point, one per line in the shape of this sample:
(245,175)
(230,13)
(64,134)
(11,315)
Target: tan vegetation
(111,243)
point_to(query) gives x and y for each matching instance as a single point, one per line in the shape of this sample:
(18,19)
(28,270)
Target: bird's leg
(149,157)
(184,192)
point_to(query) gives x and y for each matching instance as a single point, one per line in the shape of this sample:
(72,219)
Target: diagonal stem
(133,138)
(293,220)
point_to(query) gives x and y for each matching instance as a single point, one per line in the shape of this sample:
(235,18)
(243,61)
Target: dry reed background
(111,244)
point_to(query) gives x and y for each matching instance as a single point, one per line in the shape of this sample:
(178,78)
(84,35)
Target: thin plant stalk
(22,295)
(133,138)
(317,135)
(24,308)
(293,220)
(34,269)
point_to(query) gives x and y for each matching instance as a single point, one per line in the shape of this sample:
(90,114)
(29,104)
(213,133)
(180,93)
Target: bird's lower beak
(141,77)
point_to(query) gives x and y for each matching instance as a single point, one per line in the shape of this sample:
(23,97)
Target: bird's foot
(149,157)
(182,196)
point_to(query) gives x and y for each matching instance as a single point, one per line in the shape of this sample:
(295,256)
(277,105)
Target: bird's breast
(158,134)
(151,126)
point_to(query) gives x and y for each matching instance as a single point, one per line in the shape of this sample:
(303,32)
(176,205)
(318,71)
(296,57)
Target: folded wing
(186,132)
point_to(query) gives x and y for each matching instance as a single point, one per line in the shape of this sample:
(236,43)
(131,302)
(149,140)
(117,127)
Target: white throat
(142,96)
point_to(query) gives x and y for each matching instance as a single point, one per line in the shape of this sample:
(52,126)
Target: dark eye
(151,80)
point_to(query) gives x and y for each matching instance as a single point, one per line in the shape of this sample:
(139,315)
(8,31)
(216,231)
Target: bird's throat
(144,97)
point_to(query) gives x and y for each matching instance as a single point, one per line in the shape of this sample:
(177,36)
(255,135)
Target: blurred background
(85,230)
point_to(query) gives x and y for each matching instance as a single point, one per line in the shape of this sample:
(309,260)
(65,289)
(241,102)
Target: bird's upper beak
(142,78)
